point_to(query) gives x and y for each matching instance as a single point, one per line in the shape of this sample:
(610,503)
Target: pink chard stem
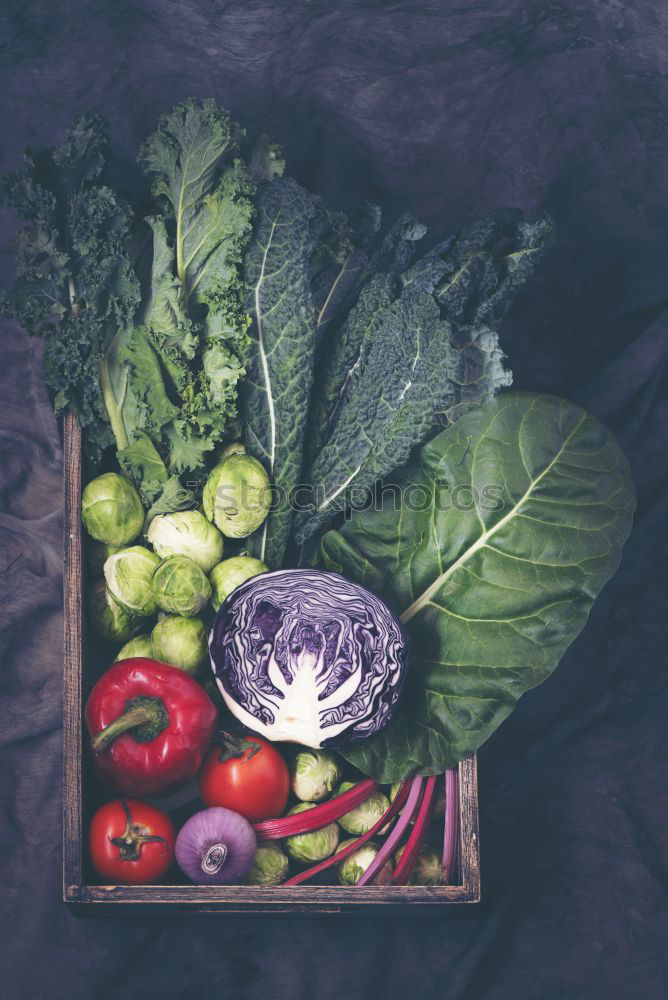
(395,836)
(389,814)
(451,828)
(405,867)
(318,816)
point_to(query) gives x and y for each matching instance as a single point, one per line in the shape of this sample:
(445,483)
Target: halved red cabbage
(308,657)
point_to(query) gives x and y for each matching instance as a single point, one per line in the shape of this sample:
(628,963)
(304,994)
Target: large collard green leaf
(492,592)
(416,348)
(280,369)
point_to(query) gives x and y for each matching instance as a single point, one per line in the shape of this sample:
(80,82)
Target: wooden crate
(296,899)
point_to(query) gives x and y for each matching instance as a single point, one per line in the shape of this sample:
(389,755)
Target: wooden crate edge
(311,898)
(73,658)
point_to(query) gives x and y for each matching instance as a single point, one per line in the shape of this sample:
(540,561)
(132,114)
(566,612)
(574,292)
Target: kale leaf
(194,339)
(415,351)
(277,387)
(75,283)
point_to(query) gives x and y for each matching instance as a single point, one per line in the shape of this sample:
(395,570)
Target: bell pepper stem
(128,720)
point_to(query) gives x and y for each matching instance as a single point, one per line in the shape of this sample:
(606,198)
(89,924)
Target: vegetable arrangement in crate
(326,556)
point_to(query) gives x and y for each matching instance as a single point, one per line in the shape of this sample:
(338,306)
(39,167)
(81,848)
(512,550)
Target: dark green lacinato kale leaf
(75,284)
(416,349)
(194,334)
(280,368)
(340,261)
(491,549)
(371,284)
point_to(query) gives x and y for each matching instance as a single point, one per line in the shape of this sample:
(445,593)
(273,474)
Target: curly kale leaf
(195,327)
(75,283)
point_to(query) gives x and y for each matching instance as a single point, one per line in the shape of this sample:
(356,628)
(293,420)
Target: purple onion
(215,847)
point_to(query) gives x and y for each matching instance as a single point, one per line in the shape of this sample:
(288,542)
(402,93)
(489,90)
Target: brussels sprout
(111,509)
(351,869)
(314,775)
(180,586)
(314,846)
(360,819)
(236,496)
(129,575)
(427,869)
(187,533)
(97,554)
(227,575)
(141,645)
(181,642)
(270,866)
(108,618)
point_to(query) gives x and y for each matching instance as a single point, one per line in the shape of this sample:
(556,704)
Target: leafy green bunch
(149,362)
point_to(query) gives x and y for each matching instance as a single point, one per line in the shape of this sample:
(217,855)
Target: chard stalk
(319,816)
(405,867)
(338,856)
(395,836)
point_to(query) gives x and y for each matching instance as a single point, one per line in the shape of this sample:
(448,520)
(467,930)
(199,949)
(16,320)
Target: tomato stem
(133,838)
(233,745)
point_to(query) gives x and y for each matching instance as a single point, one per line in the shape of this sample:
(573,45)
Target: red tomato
(131,842)
(246,774)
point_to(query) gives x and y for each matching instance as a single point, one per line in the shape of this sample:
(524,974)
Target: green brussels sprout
(315,773)
(236,495)
(228,574)
(351,869)
(427,869)
(270,867)
(181,642)
(111,510)
(187,533)
(141,645)
(360,819)
(129,576)
(108,618)
(180,586)
(97,554)
(314,846)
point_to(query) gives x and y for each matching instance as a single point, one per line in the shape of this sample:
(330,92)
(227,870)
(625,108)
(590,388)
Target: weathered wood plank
(73,659)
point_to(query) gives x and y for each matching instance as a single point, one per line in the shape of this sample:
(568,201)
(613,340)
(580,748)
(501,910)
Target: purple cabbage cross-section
(308,657)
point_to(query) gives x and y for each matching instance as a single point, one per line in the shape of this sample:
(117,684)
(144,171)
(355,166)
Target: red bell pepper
(150,724)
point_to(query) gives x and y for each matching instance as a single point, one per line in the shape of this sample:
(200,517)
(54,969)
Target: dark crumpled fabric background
(447,109)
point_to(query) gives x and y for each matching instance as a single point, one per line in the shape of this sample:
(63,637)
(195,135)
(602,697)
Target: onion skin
(216,847)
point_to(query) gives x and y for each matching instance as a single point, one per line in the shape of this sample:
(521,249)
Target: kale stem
(112,405)
(73,297)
